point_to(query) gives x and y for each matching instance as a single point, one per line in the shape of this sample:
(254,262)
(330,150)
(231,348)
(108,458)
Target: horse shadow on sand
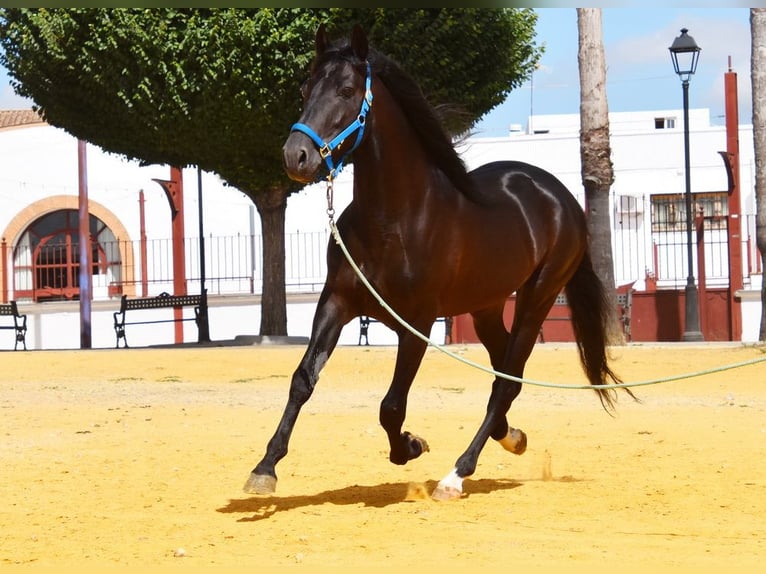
(375,496)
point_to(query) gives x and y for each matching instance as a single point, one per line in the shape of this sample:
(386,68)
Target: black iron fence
(648,237)
(649,240)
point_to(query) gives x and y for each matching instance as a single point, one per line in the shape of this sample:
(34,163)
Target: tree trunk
(758,77)
(272,205)
(595,152)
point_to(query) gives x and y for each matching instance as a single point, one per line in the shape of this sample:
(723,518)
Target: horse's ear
(359,42)
(321,39)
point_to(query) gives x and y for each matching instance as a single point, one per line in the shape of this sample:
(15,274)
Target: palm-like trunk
(595,150)
(758,76)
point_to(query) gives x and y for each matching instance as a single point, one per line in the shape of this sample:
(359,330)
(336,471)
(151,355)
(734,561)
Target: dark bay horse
(434,240)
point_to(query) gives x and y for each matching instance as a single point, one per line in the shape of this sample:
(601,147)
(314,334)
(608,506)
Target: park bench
(19,323)
(364,325)
(161,301)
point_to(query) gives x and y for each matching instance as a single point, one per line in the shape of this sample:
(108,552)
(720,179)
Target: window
(669,211)
(664,123)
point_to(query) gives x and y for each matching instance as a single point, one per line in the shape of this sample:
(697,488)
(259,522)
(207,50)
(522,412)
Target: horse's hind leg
(491,331)
(324,336)
(532,306)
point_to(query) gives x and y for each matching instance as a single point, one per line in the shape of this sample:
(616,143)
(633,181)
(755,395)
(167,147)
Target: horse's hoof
(515,441)
(415,446)
(421,443)
(520,437)
(260,484)
(442,493)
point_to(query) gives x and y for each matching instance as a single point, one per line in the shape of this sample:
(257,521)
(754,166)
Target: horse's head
(336,99)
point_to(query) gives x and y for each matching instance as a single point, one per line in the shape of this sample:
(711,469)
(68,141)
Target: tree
(178,87)
(466,59)
(758,77)
(219,88)
(595,150)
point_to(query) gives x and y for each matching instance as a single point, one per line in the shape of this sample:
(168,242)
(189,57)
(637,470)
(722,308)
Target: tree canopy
(211,87)
(219,87)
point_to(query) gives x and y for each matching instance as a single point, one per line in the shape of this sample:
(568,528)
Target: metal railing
(234,264)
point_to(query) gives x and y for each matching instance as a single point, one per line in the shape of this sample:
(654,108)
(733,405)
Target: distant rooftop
(18,118)
(619,122)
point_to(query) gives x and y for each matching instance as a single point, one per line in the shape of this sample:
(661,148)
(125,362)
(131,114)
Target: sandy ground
(138,457)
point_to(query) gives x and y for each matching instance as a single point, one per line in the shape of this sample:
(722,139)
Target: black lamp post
(685,54)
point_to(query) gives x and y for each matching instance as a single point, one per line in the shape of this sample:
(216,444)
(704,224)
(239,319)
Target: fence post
(699,223)
(203,329)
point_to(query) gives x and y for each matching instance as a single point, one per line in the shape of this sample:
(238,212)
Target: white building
(648,159)
(39,191)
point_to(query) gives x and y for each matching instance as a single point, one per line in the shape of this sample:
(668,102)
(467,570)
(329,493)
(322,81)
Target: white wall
(37,162)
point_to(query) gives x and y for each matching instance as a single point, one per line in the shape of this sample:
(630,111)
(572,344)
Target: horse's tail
(591,315)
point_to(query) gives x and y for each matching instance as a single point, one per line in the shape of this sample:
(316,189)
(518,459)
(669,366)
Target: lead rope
(443,349)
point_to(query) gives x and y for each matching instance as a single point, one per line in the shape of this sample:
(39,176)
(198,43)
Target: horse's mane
(421,115)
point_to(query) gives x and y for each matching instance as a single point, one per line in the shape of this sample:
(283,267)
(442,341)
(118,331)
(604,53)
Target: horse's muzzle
(301,158)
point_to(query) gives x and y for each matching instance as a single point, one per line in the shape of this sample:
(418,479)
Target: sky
(640,73)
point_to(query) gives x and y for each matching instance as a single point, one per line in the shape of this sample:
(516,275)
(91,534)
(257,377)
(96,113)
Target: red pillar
(174,191)
(735,221)
(699,224)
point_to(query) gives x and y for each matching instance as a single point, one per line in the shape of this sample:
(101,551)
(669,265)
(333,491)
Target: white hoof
(449,488)
(260,484)
(442,493)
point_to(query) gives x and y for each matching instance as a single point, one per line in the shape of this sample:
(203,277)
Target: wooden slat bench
(161,301)
(19,323)
(364,325)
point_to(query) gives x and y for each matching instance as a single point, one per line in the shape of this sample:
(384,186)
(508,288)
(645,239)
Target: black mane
(421,115)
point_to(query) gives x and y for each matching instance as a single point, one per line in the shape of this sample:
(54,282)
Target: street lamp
(685,54)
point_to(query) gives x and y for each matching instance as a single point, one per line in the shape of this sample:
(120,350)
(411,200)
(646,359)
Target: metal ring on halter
(330,208)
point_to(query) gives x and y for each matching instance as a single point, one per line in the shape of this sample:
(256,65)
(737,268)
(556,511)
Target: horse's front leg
(325,332)
(393,407)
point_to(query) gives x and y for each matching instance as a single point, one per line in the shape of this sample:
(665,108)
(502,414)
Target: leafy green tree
(219,87)
(467,59)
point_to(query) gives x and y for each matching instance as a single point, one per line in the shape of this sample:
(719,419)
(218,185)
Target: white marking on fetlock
(512,442)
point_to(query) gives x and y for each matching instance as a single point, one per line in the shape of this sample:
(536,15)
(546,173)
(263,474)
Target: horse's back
(525,182)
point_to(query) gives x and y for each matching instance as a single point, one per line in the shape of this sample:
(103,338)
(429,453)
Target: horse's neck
(392,172)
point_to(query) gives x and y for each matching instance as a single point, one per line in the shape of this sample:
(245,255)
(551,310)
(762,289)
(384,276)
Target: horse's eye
(346,92)
(304,89)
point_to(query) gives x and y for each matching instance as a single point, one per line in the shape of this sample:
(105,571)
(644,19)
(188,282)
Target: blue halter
(326,148)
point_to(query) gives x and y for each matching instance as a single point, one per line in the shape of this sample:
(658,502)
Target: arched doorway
(47,257)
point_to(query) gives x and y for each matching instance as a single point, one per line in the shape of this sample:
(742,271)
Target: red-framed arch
(66,287)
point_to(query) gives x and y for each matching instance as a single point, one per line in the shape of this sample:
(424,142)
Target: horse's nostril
(302,157)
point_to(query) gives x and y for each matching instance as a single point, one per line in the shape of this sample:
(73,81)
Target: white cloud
(721,38)
(718,38)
